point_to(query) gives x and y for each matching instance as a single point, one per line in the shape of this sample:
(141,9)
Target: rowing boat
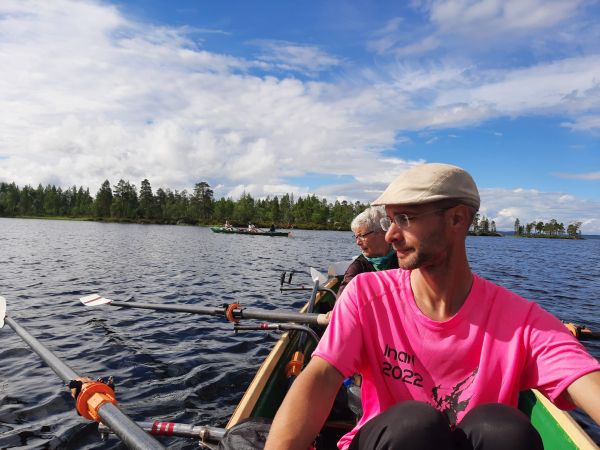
(254,232)
(265,393)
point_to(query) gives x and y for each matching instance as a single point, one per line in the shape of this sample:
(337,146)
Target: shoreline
(260,225)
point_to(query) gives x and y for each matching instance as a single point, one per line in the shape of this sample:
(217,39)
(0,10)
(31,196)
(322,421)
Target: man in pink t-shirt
(443,353)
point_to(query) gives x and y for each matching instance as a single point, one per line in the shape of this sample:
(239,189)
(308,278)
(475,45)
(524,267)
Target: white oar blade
(316,275)
(94,300)
(338,268)
(2,310)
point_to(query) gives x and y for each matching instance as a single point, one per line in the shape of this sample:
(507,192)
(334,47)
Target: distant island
(482,226)
(549,230)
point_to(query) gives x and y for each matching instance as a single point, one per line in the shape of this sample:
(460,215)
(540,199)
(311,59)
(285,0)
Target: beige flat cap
(426,183)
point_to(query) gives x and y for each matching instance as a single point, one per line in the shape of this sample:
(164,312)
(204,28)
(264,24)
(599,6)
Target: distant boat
(255,232)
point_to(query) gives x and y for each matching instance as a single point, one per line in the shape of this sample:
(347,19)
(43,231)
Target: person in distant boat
(252,228)
(377,254)
(272,229)
(443,352)
(228,225)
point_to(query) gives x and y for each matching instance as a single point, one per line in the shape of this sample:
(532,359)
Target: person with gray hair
(376,253)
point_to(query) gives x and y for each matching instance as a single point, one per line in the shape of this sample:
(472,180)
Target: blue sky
(334,98)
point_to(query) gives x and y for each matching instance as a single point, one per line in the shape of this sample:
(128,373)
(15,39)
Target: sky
(333,98)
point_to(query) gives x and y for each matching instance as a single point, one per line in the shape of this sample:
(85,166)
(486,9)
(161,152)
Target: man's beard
(427,253)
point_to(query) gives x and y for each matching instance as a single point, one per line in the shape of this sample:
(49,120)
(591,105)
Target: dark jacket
(360,265)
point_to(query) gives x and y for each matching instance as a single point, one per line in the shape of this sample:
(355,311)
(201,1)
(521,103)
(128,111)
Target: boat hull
(248,232)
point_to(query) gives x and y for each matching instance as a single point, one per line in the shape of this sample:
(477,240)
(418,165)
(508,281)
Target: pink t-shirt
(495,346)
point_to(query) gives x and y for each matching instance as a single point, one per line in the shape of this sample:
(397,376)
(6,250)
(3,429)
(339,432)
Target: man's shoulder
(501,296)
(374,284)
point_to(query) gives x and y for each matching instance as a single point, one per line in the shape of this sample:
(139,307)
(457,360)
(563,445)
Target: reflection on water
(188,368)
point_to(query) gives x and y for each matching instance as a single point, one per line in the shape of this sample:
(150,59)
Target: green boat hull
(248,232)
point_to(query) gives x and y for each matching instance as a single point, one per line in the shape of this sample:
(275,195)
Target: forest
(124,203)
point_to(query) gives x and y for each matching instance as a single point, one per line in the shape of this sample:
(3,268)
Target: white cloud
(579,176)
(121,100)
(294,57)
(557,85)
(585,123)
(504,206)
(483,27)
(499,16)
(386,38)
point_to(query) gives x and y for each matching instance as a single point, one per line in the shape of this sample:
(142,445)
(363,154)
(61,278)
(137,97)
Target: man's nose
(393,233)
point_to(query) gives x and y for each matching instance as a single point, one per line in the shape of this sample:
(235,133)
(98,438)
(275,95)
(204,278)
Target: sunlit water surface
(190,368)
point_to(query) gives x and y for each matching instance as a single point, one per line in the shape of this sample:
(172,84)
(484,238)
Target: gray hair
(369,218)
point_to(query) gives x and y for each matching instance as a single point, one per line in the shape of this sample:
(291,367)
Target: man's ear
(461,216)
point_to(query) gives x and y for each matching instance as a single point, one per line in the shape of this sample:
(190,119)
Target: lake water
(189,368)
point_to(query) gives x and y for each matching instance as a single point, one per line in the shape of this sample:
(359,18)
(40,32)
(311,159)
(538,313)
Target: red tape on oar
(162,428)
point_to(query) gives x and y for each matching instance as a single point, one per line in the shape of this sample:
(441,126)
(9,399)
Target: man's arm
(585,393)
(305,407)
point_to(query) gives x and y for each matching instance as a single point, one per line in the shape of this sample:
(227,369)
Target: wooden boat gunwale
(551,421)
(250,398)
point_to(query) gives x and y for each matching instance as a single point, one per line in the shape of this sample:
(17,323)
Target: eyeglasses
(403,220)
(362,237)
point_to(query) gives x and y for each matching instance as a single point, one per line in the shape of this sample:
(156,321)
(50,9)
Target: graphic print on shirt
(451,404)
(395,371)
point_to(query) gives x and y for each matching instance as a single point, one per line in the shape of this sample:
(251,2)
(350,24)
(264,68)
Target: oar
(95,401)
(233,312)
(156,428)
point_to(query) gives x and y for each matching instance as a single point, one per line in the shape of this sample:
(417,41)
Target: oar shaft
(203,432)
(311,319)
(60,368)
(127,430)
(193,309)
(278,316)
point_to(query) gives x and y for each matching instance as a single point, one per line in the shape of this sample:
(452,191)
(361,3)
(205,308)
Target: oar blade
(94,300)
(2,310)
(315,275)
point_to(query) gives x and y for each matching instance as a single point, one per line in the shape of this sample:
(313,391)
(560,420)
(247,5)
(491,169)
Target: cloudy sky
(328,97)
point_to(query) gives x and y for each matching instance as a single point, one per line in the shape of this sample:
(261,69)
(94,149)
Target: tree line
(123,202)
(552,229)
(482,226)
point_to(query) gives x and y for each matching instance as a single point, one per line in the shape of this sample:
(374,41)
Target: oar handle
(278,316)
